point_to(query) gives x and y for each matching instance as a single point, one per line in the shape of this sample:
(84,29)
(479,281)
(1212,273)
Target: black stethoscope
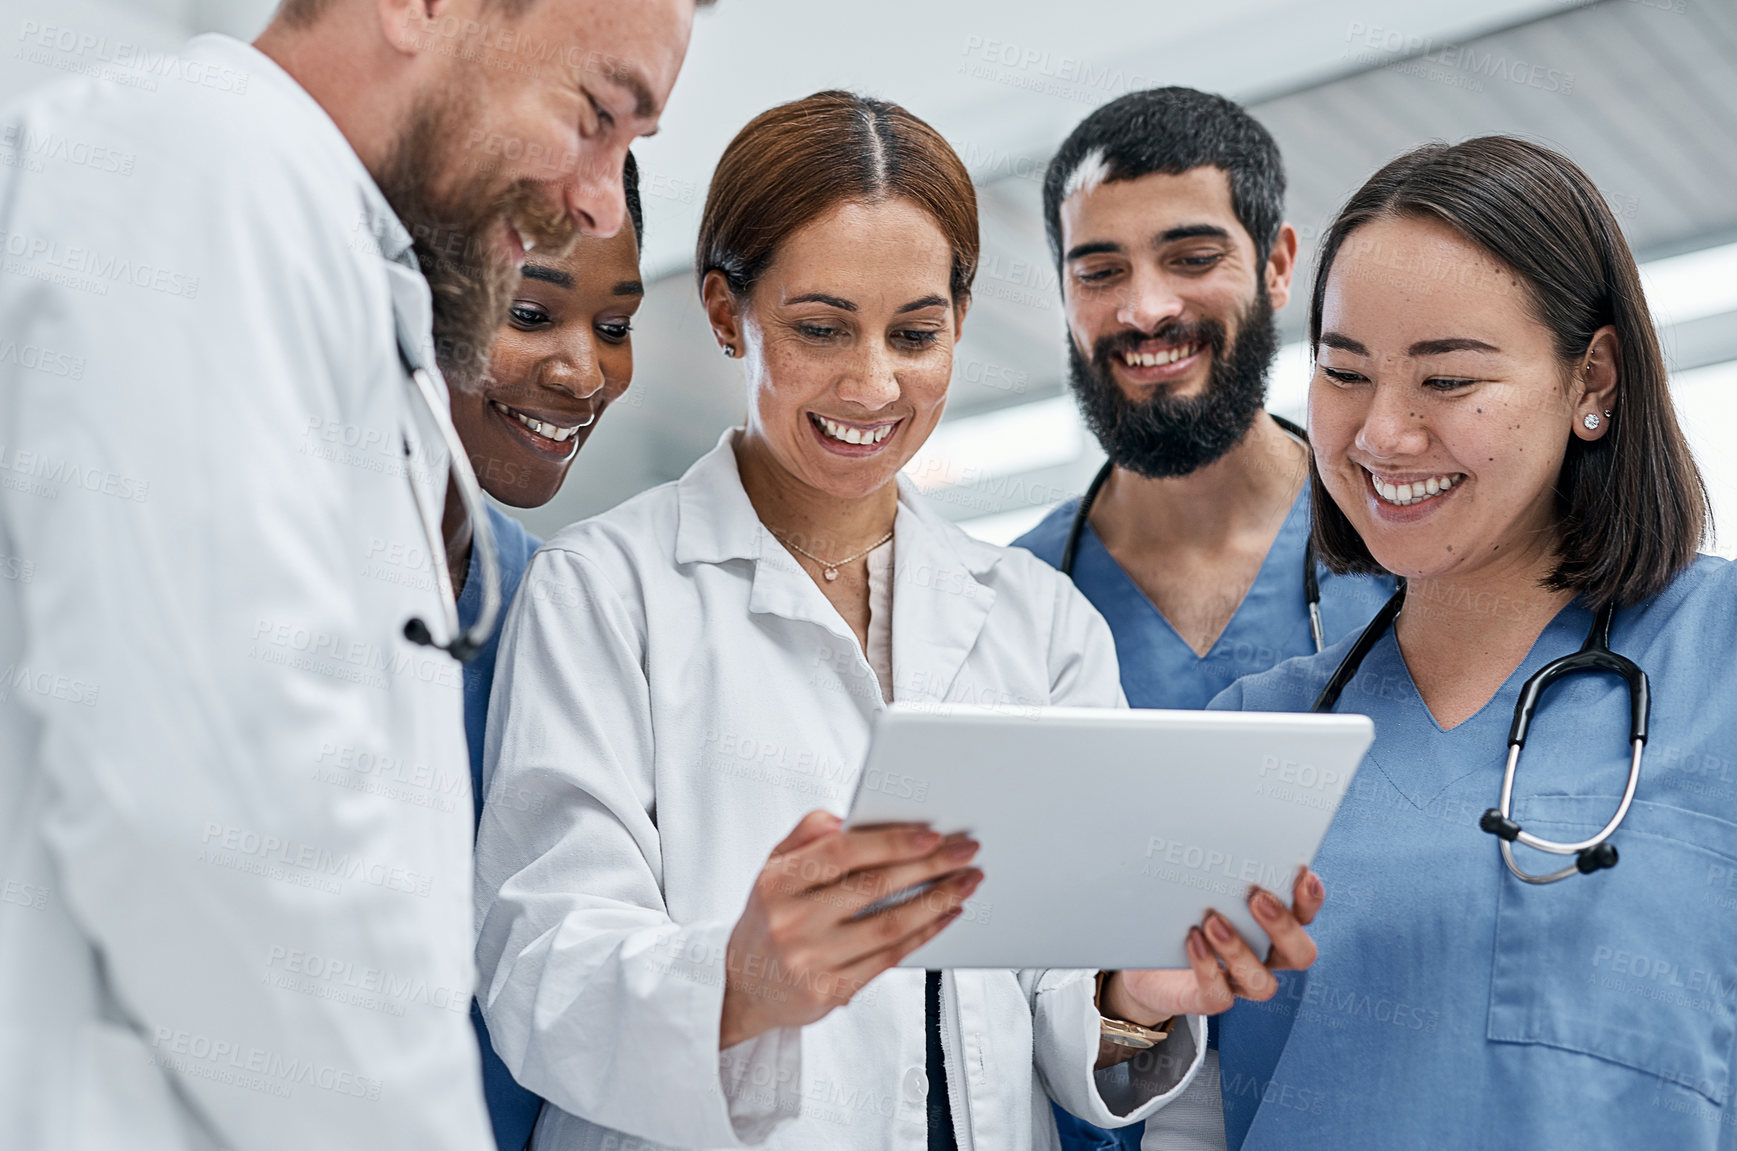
(1311,584)
(1594,656)
(461,645)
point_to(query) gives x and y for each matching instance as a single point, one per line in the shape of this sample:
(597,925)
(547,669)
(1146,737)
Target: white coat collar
(939,601)
(288,107)
(278,96)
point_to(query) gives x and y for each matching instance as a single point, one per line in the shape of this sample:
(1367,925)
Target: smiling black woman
(564,355)
(561,358)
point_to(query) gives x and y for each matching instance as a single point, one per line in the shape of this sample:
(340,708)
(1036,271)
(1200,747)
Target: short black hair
(630,190)
(1175,130)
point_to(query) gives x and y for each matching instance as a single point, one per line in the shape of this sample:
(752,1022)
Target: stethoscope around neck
(461,644)
(1594,656)
(1311,583)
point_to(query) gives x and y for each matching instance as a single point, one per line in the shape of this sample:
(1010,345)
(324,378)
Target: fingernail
(969,881)
(926,839)
(1265,905)
(1196,945)
(964,849)
(1315,888)
(1220,929)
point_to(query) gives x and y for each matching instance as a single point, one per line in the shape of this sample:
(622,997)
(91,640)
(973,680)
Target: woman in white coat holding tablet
(683,703)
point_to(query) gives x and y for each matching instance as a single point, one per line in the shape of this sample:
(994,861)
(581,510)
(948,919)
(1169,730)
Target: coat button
(916,1085)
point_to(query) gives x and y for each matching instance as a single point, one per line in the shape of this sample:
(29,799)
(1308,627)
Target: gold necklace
(829,568)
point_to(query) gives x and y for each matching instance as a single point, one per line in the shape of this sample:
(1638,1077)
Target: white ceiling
(941,58)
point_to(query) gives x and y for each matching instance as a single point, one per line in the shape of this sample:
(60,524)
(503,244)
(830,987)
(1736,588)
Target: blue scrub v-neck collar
(1295,521)
(1534,659)
(1386,670)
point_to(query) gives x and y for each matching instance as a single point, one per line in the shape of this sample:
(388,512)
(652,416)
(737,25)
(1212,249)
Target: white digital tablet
(1107,834)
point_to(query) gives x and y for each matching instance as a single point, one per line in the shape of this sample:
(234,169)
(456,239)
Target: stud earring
(729,352)
(1592,421)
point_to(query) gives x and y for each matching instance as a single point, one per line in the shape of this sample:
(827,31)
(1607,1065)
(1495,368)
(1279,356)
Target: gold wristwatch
(1121,1032)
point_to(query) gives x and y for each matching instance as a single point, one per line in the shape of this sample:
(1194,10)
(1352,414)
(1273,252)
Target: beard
(1164,435)
(454,231)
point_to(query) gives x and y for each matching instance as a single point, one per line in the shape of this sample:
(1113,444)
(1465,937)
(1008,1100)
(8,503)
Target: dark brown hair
(795,162)
(1632,506)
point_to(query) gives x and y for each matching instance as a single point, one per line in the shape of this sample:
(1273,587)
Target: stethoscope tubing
(1311,582)
(1591,854)
(461,644)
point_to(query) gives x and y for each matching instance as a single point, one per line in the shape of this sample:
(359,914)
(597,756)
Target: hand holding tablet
(1221,965)
(805,946)
(1157,855)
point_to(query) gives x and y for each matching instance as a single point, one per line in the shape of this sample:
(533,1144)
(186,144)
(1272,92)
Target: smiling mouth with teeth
(849,434)
(1159,359)
(1404,495)
(543,428)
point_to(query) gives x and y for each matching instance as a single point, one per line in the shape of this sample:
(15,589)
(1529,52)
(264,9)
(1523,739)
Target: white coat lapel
(783,589)
(717,524)
(939,606)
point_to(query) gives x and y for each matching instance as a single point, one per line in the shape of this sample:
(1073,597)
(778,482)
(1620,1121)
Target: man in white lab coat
(234,809)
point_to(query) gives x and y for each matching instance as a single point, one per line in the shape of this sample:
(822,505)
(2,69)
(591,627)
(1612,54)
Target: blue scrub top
(1452,1003)
(1159,669)
(1271,624)
(512,1109)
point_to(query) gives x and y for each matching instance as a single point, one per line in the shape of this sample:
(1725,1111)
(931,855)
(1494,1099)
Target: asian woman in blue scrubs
(1491,422)
(564,354)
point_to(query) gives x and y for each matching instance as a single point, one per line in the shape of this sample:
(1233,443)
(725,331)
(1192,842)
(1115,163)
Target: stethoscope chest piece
(1598,852)
(462,645)
(1590,855)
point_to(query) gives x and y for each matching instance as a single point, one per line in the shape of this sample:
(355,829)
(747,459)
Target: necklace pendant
(831,574)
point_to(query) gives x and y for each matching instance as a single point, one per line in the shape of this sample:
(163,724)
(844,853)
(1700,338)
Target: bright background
(1642,93)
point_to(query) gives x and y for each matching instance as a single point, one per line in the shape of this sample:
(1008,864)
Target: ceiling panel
(1643,96)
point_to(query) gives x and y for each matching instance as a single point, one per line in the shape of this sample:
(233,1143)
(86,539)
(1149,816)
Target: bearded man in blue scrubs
(1164,211)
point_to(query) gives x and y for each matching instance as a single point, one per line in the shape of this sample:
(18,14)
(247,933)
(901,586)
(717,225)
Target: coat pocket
(1628,965)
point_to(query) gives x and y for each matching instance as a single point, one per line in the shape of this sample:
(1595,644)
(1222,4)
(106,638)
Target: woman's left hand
(1222,966)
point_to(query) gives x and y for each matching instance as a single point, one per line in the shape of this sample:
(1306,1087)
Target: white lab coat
(234,801)
(673,694)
